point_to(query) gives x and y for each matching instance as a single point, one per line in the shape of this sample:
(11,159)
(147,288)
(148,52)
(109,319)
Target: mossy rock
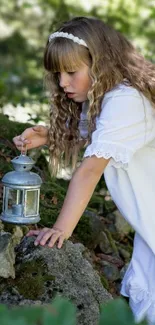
(30,279)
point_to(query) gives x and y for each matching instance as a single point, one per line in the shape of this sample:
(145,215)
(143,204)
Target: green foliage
(26,27)
(63,312)
(60,312)
(117,312)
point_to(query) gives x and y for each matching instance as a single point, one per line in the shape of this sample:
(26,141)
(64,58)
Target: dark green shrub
(63,312)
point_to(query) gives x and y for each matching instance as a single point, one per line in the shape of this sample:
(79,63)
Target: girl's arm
(79,192)
(78,195)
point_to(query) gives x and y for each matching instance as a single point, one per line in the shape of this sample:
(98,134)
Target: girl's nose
(63,79)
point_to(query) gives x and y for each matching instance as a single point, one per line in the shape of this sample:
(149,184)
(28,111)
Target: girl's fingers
(47,234)
(20,141)
(53,239)
(36,232)
(61,240)
(33,232)
(44,233)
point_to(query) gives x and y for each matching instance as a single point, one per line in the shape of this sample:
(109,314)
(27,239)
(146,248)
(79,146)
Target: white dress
(125,131)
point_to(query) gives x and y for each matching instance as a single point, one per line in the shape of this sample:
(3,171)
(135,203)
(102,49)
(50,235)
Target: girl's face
(76,84)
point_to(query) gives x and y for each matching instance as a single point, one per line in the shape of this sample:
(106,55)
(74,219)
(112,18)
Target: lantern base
(19,220)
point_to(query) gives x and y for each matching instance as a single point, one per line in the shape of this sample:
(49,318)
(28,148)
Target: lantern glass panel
(32,202)
(14,201)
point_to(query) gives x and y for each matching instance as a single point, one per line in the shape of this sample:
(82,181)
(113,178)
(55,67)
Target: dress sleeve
(121,128)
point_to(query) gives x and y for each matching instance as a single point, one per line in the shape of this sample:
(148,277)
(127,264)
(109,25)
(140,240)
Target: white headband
(75,39)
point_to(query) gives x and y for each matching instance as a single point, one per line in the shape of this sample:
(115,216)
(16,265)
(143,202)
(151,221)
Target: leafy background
(24,29)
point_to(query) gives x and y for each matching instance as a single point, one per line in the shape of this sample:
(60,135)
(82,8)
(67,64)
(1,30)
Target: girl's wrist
(58,228)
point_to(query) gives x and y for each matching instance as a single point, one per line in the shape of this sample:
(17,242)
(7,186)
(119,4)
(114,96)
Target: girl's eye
(71,72)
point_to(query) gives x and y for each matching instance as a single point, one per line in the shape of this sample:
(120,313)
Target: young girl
(103,93)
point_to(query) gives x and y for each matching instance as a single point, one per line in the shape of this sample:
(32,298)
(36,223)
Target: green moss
(30,279)
(104,281)
(2,285)
(111,241)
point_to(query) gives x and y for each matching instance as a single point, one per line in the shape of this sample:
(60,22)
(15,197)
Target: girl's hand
(52,235)
(32,138)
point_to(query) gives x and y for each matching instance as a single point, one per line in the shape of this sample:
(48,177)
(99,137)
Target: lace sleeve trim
(121,155)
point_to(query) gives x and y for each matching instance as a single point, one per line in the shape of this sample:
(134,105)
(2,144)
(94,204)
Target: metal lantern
(21,193)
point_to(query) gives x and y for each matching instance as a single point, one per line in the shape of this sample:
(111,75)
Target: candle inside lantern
(17,209)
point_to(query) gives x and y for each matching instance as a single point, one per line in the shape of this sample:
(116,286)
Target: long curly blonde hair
(112,60)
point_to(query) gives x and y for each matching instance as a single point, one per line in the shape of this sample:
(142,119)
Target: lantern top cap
(22,163)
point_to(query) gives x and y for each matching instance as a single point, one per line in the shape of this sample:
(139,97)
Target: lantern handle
(23,150)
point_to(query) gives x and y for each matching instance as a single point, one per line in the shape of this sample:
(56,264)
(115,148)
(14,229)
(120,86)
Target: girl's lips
(70,95)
